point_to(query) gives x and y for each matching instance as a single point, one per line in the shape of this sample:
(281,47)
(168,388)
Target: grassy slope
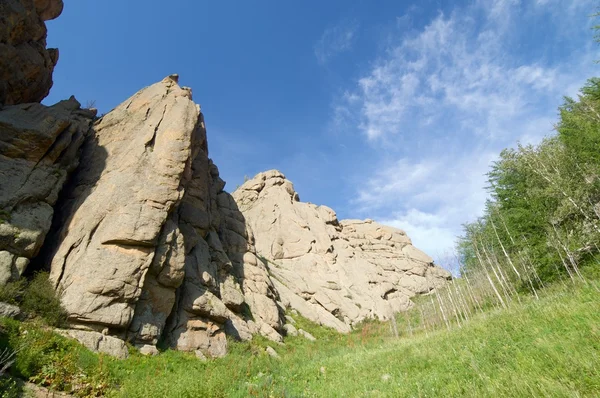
(549,348)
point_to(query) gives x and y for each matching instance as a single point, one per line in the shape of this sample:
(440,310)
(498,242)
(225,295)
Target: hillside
(128,270)
(544,348)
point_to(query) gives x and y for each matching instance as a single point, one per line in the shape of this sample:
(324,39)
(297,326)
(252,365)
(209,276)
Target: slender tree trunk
(498,278)
(504,250)
(472,294)
(487,274)
(442,310)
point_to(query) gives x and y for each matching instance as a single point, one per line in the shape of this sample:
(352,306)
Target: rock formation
(336,273)
(38,149)
(26,65)
(143,244)
(145,230)
(39,145)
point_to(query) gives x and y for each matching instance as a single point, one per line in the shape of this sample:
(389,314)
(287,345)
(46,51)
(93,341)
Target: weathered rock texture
(98,342)
(38,149)
(149,244)
(336,273)
(26,65)
(143,242)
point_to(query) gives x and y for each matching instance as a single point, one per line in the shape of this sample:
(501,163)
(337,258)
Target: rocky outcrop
(113,212)
(10,311)
(26,65)
(38,144)
(98,342)
(145,232)
(39,147)
(141,239)
(336,273)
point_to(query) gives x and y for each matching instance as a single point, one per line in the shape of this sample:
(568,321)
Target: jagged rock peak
(336,273)
(260,185)
(146,244)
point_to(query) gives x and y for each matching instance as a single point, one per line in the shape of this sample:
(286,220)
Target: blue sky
(390,110)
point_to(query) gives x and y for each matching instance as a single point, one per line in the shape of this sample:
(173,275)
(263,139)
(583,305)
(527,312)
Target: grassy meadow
(546,347)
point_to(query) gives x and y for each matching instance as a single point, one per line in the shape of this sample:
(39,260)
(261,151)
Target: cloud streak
(442,102)
(335,40)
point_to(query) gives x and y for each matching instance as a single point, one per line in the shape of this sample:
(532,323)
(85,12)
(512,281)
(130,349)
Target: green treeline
(542,222)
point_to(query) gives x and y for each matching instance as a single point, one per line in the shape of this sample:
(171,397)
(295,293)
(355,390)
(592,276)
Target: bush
(40,298)
(12,292)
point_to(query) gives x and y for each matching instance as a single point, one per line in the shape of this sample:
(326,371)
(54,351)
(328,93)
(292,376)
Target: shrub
(12,292)
(41,299)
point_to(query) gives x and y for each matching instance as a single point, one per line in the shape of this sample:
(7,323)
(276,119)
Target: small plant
(10,388)
(4,217)
(12,292)
(41,299)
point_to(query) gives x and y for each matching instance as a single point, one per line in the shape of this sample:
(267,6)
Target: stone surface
(31,390)
(141,239)
(271,351)
(39,147)
(306,335)
(335,273)
(146,243)
(117,202)
(26,65)
(10,311)
(290,330)
(98,342)
(149,350)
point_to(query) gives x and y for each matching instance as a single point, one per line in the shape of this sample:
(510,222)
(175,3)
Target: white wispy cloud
(442,103)
(335,40)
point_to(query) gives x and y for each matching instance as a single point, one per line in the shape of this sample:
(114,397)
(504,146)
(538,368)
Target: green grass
(545,348)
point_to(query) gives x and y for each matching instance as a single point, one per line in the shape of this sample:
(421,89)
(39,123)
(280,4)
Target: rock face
(148,242)
(38,144)
(336,273)
(98,342)
(38,149)
(26,65)
(143,243)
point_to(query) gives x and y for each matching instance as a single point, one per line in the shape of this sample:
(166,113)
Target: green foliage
(12,292)
(10,387)
(45,358)
(548,347)
(37,298)
(542,221)
(579,125)
(41,299)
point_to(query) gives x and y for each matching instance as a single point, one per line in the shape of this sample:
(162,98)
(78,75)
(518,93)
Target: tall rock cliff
(39,145)
(38,149)
(143,244)
(145,230)
(336,273)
